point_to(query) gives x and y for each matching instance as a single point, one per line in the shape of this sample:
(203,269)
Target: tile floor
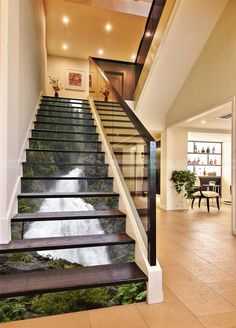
(198,257)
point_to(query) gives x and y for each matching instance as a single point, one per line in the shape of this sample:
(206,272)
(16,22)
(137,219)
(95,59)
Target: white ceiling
(210,120)
(189,28)
(133,7)
(85,33)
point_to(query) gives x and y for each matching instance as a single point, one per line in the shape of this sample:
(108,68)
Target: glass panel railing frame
(149,155)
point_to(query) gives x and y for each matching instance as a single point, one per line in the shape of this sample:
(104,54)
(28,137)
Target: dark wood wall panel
(126,69)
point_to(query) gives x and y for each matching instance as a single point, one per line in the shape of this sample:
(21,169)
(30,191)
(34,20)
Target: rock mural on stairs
(64,161)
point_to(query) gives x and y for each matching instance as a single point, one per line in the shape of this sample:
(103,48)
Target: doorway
(117,80)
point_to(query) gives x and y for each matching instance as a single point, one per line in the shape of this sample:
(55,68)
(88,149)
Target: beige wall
(21,82)
(56,67)
(174,148)
(212,79)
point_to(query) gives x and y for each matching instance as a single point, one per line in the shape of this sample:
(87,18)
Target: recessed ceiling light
(108,27)
(203,122)
(64,46)
(101,51)
(133,57)
(148,34)
(65,20)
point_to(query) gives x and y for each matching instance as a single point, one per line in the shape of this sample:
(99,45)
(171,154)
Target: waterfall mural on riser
(86,256)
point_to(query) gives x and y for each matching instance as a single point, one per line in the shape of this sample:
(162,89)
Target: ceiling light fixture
(133,57)
(203,122)
(65,20)
(101,51)
(108,27)
(148,34)
(64,46)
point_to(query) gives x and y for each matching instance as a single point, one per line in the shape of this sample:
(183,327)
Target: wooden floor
(198,257)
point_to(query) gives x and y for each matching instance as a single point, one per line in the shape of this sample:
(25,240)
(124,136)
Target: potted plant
(184,182)
(105,91)
(56,85)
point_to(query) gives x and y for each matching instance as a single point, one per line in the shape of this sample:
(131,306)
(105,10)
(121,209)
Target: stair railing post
(151,164)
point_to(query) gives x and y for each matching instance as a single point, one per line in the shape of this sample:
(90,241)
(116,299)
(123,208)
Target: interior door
(117,80)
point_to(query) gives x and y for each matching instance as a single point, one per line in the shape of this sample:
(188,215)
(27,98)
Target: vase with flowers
(56,85)
(105,92)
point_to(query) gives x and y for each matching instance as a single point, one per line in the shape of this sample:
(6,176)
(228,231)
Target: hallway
(197,254)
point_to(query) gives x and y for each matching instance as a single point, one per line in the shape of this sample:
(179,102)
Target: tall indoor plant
(184,181)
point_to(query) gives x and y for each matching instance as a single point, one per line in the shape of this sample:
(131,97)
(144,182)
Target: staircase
(65,167)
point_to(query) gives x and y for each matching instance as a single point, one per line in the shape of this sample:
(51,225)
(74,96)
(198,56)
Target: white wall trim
(154,273)
(12,208)
(233,188)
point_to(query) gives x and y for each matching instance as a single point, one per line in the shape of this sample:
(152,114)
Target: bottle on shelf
(208,150)
(195,149)
(194,161)
(204,171)
(203,150)
(211,162)
(200,172)
(189,162)
(213,150)
(215,161)
(198,161)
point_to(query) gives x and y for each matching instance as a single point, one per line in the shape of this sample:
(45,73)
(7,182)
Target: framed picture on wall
(74,79)
(92,81)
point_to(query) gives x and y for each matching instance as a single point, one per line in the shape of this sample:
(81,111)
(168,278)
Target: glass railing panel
(135,152)
(127,143)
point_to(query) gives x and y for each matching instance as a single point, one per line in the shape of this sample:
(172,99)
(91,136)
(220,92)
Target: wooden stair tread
(117,127)
(115,115)
(66,178)
(116,120)
(124,135)
(59,280)
(28,162)
(75,215)
(67,194)
(128,143)
(42,244)
(66,151)
(64,98)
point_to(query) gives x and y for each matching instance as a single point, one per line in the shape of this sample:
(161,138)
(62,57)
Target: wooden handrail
(150,28)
